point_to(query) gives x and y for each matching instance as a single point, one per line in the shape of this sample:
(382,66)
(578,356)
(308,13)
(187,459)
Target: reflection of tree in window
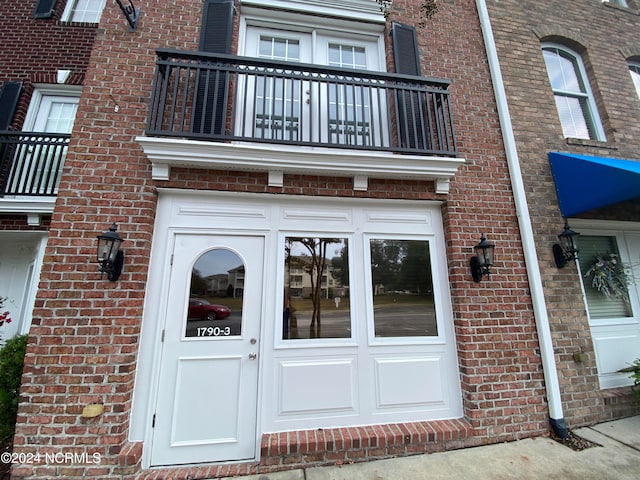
(316,294)
(402,288)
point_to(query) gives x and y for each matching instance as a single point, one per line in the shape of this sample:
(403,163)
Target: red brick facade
(85,332)
(32,50)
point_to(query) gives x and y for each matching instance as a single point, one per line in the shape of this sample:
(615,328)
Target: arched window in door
(216,295)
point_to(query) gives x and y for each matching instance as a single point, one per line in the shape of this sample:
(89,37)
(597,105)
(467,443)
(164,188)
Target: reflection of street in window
(216,295)
(317,288)
(314,277)
(403,301)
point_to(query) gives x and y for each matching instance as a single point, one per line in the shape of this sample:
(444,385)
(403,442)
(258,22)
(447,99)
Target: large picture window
(402,288)
(316,297)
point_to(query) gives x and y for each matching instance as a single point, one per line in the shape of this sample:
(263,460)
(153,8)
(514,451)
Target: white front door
(20,259)
(614,319)
(207,397)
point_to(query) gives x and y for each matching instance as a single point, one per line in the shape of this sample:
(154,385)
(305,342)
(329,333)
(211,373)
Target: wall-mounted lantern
(567,250)
(110,257)
(482,261)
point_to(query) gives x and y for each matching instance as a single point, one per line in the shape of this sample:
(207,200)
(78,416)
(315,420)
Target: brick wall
(602,34)
(31,51)
(86,331)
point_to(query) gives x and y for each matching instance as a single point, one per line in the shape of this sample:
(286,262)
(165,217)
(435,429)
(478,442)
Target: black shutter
(44,8)
(212,85)
(405,49)
(412,130)
(217,26)
(9,96)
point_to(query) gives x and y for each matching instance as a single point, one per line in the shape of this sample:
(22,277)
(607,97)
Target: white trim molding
(164,153)
(359,10)
(33,207)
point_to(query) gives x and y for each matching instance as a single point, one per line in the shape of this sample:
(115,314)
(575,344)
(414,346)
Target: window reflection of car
(199,308)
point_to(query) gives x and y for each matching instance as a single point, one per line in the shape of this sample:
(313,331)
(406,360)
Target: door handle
(253,356)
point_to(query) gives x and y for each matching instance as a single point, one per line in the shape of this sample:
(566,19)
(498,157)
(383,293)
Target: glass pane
(607,295)
(279,48)
(277,100)
(572,113)
(61,116)
(347,56)
(316,288)
(562,70)
(635,76)
(216,295)
(349,105)
(403,301)
(88,11)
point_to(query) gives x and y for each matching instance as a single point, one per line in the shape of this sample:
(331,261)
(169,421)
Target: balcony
(30,168)
(224,111)
(31,162)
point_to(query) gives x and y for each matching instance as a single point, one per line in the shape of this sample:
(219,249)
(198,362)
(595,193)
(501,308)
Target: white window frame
(619,3)
(438,293)
(41,93)
(70,13)
(590,113)
(634,71)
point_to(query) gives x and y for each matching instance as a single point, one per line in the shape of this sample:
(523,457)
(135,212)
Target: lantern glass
(108,249)
(109,245)
(569,241)
(484,252)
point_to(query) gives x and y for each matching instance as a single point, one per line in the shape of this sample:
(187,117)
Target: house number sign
(213,331)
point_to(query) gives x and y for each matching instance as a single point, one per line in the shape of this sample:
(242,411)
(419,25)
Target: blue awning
(584,182)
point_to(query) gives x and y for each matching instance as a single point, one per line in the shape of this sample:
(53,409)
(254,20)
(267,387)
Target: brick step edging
(305,448)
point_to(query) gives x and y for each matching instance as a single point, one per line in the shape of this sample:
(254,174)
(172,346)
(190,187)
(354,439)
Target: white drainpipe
(526,231)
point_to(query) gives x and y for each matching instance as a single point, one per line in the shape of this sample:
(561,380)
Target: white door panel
(20,258)
(616,338)
(207,402)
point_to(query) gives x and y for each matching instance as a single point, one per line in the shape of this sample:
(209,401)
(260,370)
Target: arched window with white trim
(574,99)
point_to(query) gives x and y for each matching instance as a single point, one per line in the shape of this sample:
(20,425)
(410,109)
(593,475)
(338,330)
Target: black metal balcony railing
(31,162)
(220,97)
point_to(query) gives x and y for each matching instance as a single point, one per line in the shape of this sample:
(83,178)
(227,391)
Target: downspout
(524,221)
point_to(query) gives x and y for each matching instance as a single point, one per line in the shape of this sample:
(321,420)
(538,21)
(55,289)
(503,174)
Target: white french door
(36,168)
(331,109)
(274,107)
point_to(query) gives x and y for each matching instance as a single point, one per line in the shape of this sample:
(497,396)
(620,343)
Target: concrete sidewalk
(617,458)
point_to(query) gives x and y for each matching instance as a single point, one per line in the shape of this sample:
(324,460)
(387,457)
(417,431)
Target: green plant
(634,370)
(11,363)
